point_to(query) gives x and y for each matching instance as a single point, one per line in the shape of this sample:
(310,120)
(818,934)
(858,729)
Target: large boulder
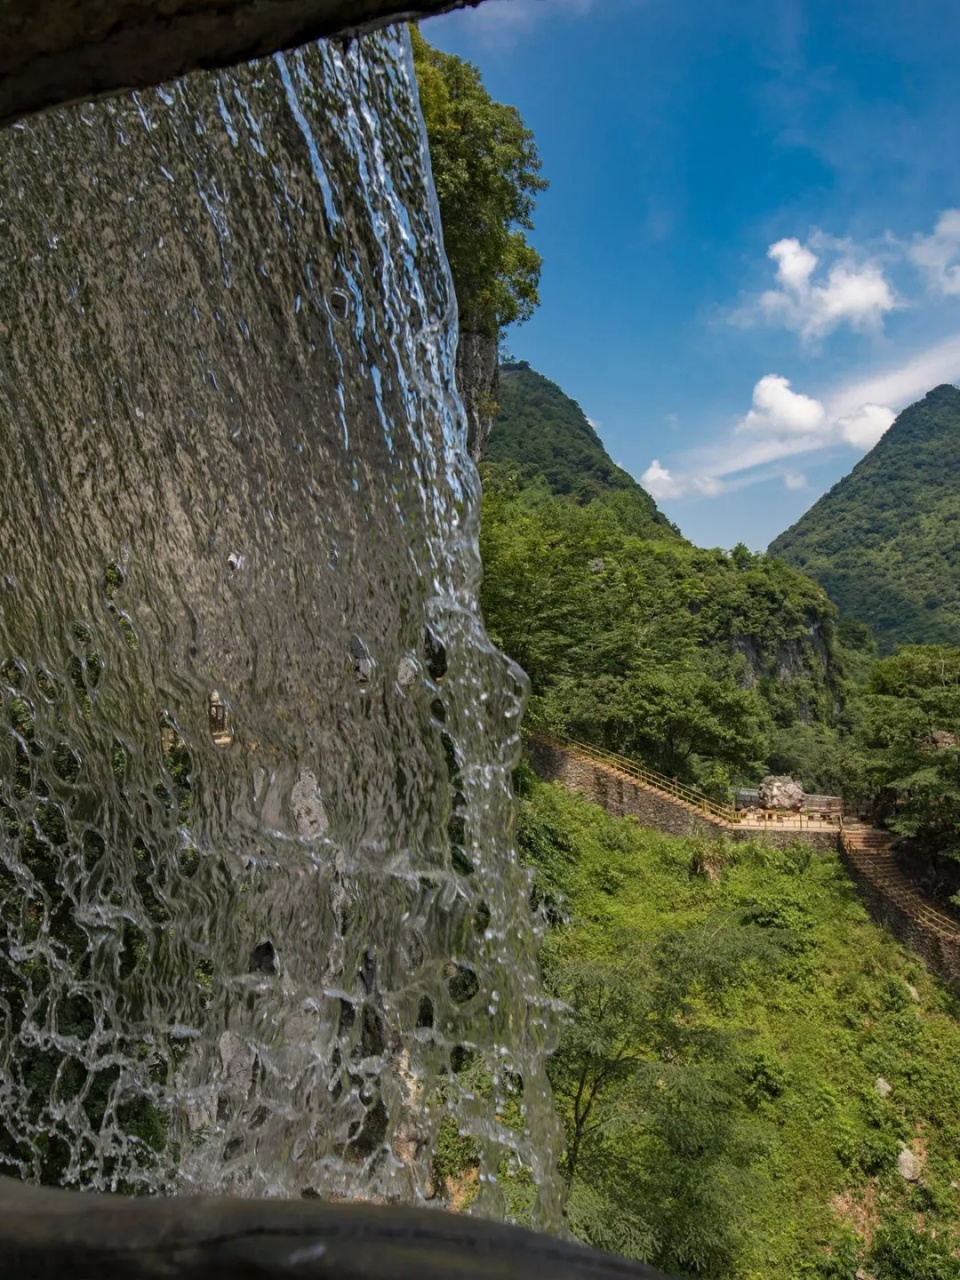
(780,793)
(56,51)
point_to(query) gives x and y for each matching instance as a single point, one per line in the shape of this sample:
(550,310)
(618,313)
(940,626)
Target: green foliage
(716,1074)
(910,731)
(885,541)
(900,1252)
(640,642)
(541,432)
(486,172)
(638,1057)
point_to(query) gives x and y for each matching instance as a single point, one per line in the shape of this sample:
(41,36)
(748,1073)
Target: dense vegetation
(744,1058)
(487,175)
(540,432)
(885,541)
(698,661)
(904,751)
(734,1023)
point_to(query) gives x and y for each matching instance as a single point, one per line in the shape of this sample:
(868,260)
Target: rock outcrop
(478,381)
(58,51)
(780,793)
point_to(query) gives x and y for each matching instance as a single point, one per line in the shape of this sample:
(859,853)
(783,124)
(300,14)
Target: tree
(487,175)
(912,727)
(658,1142)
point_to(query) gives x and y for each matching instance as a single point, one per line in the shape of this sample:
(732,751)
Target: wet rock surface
(60,51)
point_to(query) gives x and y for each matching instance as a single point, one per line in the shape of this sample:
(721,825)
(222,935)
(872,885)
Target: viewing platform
(766,820)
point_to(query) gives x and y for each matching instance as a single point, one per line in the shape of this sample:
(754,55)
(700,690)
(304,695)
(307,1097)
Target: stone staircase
(626,788)
(869,854)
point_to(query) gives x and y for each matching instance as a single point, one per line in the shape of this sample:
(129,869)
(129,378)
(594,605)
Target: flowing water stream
(262,926)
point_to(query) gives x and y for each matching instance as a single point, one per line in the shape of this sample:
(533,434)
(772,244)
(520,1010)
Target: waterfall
(262,925)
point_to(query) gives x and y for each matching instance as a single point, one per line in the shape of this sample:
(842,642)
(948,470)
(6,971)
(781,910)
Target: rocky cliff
(478,380)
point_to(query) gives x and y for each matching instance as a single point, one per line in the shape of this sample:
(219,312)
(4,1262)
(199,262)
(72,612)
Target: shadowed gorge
(258,898)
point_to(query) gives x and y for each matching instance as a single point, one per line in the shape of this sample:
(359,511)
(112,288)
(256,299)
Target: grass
(846,1007)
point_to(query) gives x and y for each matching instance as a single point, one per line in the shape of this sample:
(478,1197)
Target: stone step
(886,875)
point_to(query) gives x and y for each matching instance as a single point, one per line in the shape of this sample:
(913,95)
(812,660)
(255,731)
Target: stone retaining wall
(625,799)
(941,953)
(819,841)
(618,795)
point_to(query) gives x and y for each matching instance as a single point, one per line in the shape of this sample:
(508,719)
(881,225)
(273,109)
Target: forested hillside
(746,1057)
(885,541)
(705,663)
(541,432)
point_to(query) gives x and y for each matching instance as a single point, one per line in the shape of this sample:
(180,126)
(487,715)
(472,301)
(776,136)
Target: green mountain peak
(885,541)
(543,435)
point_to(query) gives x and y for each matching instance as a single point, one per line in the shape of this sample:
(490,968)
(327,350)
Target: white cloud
(865,427)
(783,423)
(852,291)
(938,255)
(659,483)
(822,284)
(795,264)
(902,384)
(778,409)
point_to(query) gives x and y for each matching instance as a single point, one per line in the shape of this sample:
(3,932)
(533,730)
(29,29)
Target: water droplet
(339,304)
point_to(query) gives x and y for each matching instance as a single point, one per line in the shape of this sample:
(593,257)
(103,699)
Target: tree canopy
(721,1041)
(633,638)
(487,174)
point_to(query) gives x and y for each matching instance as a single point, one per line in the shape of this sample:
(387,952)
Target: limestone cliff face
(803,664)
(478,379)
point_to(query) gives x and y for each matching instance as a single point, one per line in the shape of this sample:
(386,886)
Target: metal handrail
(659,781)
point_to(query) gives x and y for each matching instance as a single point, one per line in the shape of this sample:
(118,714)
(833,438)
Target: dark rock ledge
(57,51)
(49,1234)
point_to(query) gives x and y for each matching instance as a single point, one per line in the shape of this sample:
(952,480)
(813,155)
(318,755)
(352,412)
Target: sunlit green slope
(885,541)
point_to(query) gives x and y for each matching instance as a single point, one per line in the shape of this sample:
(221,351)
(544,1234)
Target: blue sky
(752,233)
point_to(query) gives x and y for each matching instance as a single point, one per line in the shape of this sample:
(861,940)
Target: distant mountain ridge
(885,541)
